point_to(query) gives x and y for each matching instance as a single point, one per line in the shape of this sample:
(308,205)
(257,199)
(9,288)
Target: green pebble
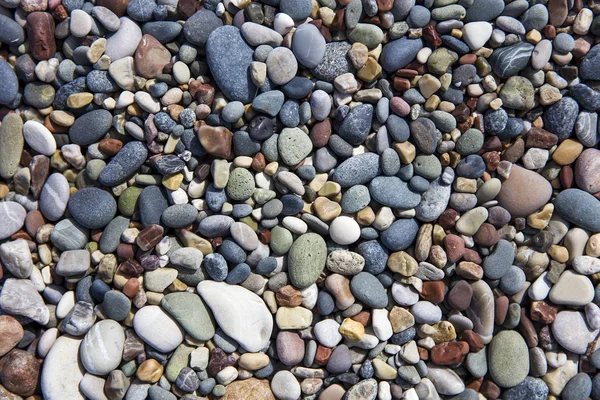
(281,240)
(428,167)
(129,368)
(128,200)
(94,168)
(178,361)
(367,34)
(469,142)
(219,391)
(293,145)
(191,313)
(240,186)
(306,260)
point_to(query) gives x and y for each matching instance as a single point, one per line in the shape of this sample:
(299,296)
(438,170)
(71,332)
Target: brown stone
(11,333)
(131,287)
(149,237)
(449,353)
(558,11)
(151,57)
(524,192)
(119,7)
(500,310)
(33,221)
(290,348)
(363,317)
(40,35)
(110,146)
(288,296)
(203,92)
(131,268)
(448,219)
(384,5)
(320,133)
(19,372)
(469,270)
(322,355)
(459,297)
(187,8)
(543,312)
(527,329)
(40,169)
(216,140)
(433,291)
(258,162)
(486,235)
(473,339)
(472,256)
(431,36)
(252,388)
(455,247)
(149,371)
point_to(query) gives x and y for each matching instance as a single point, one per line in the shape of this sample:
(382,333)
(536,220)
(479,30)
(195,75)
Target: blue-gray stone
(393,192)
(589,65)
(297,9)
(531,389)
(11,33)
(535,18)
(229,59)
(484,10)
(325,303)
(63,93)
(334,63)
(399,53)
(356,126)
(215,266)
(101,82)
(69,235)
(587,97)
(560,117)
(498,263)
(357,170)
(124,164)
(10,85)
(92,207)
(238,274)
(269,102)
(116,305)
(152,202)
(579,387)
(473,166)
(298,88)
(179,215)
(580,208)
(508,61)
(400,235)
(215,225)
(495,121)
(163,31)
(455,44)
(141,10)
(398,128)
(292,204)
(375,256)
(90,127)
(111,236)
(290,114)
(355,199)
(308,45)
(215,198)
(367,289)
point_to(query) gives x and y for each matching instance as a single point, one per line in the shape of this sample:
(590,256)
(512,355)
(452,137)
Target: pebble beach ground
(299,199)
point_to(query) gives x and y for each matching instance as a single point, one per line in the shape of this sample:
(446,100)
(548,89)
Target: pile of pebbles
(299,199)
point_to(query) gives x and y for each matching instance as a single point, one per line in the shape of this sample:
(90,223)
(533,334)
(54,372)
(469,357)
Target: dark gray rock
(90,127)
(580,208)
(335,62)
(92,207)
(560,117)
(399,53)
(151,203)
(356,126)
(199,26)
(393,192)
(124,164)
(508,61)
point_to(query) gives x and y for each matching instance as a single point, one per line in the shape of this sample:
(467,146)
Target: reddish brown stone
(475,384)
(320,133)
(455,247)
(131,268)
(582,46)
(264,237)
(150,237)
(11,333)
(40,34)
(448,219)
(384,5)
(500,309)
(472,256)
(423,353)
(110,146)
(19,372)
(363,317)
(541,138)
(60,13)
(33,221)
(401,84)
(131,287)
(187,8)
(459,297)
(490,390)
(125,251)
(528,330)
(492,159)
(431,36)
(338,23)
(151,57)
(543,312)
(258,162)
(566,176)
(486,235)
(322,355)
(468,58)
(406,73)
(433,291)
(449,353)
(216,140)
(203,92)
(287,296)
(473,339)
(549,32)
(119,7)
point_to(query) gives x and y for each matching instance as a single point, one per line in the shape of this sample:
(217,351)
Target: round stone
(306,260)
(508,357)
(92,207)
(102,347)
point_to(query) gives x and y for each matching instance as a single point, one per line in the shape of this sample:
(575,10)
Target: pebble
(92,207)
(102,347)
(306,260)
(308,45)
(13,214)
(512,198)
(584,214)
(571,331)
(39,138)
(157,329)
(61,372)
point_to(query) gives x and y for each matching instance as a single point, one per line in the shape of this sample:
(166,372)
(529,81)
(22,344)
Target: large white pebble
(344,230)
(39,138)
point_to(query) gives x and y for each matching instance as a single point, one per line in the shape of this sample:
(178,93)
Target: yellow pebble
(352,330)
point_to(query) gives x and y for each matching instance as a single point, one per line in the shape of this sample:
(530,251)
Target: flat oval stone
(90,127)
(400,235)
(62,371)
(124,164)
(12,215)
(579,207)
(572,332)
(510,60)
(306,260)
(229,59)
(357,170)
(399,53)
(54,196)
(508,359)
(10,33)
(241,314)
(393,192)
(11,144)
(293,145)
(524,192)
(39,138)
(572,289)
(199,26)
(102,347)
(157,329)
(587,170)
(151,203)
(308,45)
(92,207)
(123,42)
(356,126)
(191,313)
(367,288)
